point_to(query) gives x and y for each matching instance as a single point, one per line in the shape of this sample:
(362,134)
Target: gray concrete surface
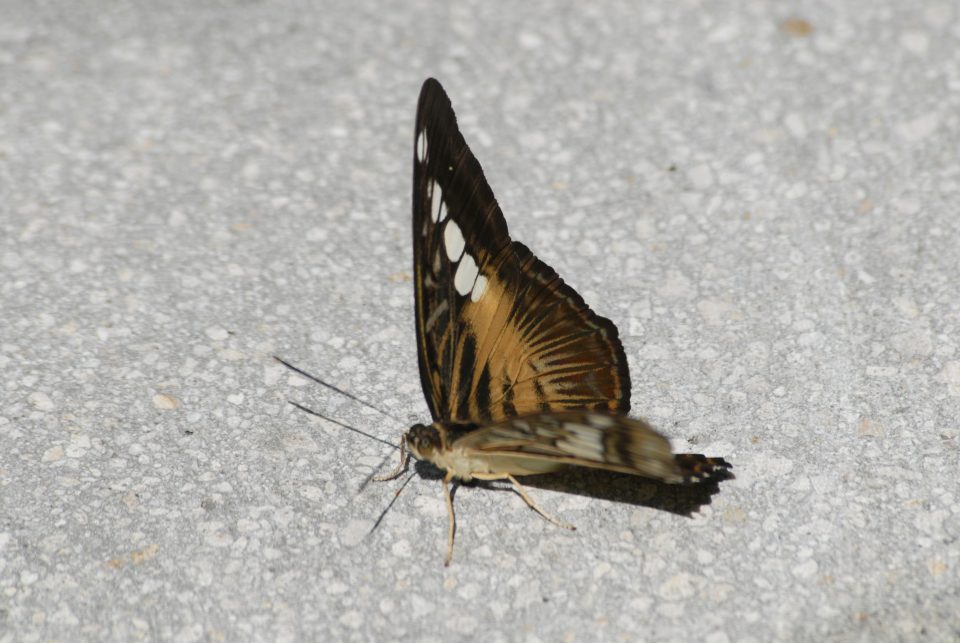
(767,207)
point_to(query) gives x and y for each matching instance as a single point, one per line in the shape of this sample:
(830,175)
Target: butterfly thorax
(450,447)
(437,444)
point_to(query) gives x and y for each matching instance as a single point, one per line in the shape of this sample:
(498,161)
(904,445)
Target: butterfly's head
(423,441)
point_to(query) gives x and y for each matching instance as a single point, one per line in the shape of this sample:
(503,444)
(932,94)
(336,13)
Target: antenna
(346,426)
(371,475)
(340,391)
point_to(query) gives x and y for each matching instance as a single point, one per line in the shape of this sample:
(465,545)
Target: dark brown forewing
(598,440)
(499,334)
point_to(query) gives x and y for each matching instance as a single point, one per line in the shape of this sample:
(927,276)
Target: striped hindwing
(545,442)
(499,334)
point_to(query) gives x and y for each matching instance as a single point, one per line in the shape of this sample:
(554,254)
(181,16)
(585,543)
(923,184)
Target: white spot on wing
(466,274)
(422,146)
(600,421)
(436,201)
(478,289)
(453,240)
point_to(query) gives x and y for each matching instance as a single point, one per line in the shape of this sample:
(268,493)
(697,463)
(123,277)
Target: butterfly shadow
(680,499)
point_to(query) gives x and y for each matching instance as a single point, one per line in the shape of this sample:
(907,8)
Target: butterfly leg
(453,521)
(400,468)
(526,497)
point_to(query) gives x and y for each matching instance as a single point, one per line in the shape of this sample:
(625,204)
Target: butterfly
(520,376)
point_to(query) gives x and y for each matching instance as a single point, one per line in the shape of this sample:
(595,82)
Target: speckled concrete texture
(764,198)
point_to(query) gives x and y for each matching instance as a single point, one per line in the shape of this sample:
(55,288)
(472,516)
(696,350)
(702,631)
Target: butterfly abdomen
(696,466)
(545,442)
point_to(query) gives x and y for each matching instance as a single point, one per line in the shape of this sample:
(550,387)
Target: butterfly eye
(422,440)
